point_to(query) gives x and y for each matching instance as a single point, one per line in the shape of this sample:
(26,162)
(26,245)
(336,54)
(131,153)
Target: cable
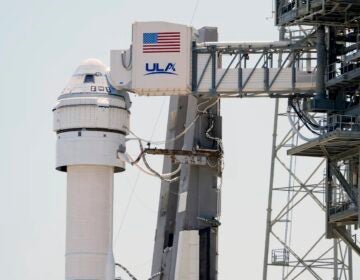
(159,175)
(127,207)
(155,275)
(177,170)
(308,121)
(163,141)
(295,130)
(152,173)
(181,133)
(128,159)
(203,111)
(218,140)
(136,182)
(164,178)
(302,118)
(306,117)
(129,66)
(158,117)
(126,271)
(139,166)
(194,12)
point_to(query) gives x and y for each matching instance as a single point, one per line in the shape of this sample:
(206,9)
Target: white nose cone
(89,77)
(91,119)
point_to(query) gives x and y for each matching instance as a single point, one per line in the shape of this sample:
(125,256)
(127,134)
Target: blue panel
(150,38)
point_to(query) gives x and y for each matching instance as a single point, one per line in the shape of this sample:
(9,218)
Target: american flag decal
(161,42)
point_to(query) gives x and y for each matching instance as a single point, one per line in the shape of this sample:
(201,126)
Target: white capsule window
(89,79)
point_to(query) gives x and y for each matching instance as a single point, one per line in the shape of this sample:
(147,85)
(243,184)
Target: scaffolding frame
(294,48)
(320,258)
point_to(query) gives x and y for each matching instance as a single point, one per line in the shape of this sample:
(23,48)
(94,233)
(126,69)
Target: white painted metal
(106,111)
(91,120)
(129,68)
(89,148)
(90,66)
(88,118)
(89,223)
(248,45)
(230,83)
(194,160)
(182,202)
(187,259)
(120,65)
(175,82)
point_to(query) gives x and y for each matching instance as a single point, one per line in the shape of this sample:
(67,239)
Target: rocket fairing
(91,119)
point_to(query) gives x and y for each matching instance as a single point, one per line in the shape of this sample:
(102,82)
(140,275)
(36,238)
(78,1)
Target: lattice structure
(296,245)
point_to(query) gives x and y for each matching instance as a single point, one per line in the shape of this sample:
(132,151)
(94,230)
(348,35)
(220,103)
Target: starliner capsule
(91,120)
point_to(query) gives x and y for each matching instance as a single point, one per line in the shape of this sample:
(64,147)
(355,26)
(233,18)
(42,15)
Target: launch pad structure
(336,29)
(314,67)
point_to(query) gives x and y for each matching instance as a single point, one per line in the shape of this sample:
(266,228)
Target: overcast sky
(42,43)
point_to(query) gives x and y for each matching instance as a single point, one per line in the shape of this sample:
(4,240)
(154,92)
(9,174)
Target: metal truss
(295,199)
(298,48)
(328,12)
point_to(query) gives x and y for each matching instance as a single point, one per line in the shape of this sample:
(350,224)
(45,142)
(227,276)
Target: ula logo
(155,68)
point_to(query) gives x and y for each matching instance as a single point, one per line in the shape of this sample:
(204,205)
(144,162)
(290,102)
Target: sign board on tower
(161,58)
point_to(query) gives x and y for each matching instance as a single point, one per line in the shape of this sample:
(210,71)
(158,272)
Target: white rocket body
(91,121)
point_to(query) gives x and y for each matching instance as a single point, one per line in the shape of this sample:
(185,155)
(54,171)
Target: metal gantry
(296,207)
(313,203)
(186,239)
(335,142)
(252,69)
(328,12)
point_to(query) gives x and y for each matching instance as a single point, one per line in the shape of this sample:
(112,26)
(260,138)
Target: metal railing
(286,6)
(340,199)
(336,70)
(356,239)
(340,123)
(340,207)
(280,257)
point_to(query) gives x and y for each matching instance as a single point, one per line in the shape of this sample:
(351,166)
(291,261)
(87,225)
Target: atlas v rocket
(91,119)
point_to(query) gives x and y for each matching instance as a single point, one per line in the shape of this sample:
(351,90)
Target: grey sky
(42,42)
